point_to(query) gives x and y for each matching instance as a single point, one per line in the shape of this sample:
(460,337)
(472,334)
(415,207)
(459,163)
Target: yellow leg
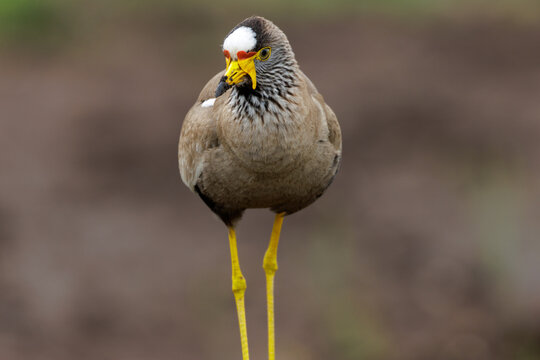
(270,266)
(239,288)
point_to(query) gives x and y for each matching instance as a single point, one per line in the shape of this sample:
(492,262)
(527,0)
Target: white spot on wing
(241,39)
(209,102)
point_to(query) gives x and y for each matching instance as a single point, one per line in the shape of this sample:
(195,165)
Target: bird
(259,136)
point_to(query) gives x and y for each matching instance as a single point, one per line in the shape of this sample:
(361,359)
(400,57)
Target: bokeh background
(425,247)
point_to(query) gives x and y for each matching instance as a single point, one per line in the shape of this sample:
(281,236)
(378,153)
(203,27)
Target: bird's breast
(267,144)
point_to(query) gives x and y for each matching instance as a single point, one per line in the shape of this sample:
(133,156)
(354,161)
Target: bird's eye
(264,54)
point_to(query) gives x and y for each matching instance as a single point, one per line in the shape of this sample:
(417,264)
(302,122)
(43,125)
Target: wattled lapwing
(258,136)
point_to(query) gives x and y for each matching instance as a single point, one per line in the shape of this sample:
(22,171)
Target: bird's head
(254,50)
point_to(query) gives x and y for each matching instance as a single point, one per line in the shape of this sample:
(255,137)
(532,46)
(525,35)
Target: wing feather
(198,134)
(328,119)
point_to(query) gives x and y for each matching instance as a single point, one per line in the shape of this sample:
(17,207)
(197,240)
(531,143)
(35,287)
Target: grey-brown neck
(272,100)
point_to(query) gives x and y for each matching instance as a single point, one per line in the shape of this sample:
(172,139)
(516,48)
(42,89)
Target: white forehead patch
(241,39)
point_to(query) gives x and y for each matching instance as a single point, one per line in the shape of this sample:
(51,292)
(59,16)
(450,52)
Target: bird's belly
(284,184)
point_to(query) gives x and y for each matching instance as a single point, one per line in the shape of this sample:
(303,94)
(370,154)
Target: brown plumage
(258,136)
(283,161)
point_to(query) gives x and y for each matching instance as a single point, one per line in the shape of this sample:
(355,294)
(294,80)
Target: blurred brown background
(425,247)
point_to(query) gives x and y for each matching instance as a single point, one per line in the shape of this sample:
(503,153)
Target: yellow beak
(237,69)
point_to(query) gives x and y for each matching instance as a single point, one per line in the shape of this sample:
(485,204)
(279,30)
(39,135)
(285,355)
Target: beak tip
(222,87)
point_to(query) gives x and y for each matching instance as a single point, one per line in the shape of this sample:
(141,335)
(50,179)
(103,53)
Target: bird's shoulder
(199,132)
(318,109)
